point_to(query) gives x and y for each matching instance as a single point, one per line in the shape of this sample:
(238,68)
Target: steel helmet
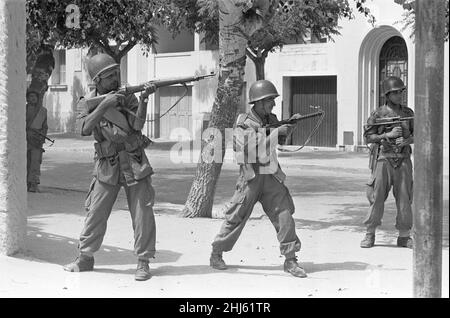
(100,63)
(32,90)
(262,89)
(392,84)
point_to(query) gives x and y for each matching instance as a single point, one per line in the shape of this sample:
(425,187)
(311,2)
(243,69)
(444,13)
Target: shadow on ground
(61,250)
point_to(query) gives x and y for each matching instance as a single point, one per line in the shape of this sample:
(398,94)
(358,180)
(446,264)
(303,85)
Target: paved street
(329,195)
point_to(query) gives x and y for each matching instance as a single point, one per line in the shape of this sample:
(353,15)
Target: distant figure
(36,117)
(260,180)
(390,163)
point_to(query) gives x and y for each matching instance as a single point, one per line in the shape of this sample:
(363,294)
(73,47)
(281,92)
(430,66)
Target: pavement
(329,194)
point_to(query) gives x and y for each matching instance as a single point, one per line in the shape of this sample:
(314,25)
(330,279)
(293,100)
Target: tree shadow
(61,250)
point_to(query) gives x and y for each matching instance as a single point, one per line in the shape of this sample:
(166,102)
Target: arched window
(393,62)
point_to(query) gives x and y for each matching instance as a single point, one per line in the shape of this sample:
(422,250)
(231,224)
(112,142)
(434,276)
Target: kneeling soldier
(261,179)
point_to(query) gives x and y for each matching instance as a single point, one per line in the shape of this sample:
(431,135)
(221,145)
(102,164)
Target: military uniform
(36,121)
(120,160)
(260,180)
(391,167)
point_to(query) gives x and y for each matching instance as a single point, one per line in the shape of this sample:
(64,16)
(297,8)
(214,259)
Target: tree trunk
(428,149)
(235,29)
(260,68)
(13,195)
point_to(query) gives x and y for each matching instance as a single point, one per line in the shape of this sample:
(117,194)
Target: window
(59,73)
(393,62)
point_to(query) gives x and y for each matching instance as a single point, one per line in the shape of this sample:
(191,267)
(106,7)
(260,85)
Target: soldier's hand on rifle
(149,89)
(114,100)
(395,133)
(285,129)
(295,117)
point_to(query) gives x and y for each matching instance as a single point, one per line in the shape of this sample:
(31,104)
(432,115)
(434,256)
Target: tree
(113,27)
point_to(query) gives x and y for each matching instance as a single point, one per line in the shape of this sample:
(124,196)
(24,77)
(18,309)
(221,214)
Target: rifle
(42,135)
(93,102)
(294,121)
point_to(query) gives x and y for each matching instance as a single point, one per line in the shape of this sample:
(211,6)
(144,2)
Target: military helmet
(262,89)
(99,64)
(392,84)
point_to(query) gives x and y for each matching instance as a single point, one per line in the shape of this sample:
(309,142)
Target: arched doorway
(393,62)
(383,52)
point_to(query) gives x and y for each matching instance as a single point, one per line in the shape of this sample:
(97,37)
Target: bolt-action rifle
(93,102)
(294,121)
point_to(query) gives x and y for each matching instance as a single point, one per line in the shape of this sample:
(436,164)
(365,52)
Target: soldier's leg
(279,207)
(377,192)
(403,193)
(237,213)
(28,167)
(381,184)
(140,199)
(35,165)
(99,202)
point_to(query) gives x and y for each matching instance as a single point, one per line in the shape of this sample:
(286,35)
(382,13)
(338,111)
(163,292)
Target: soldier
(36,126)
(120,160)
(390,164)
(260,179)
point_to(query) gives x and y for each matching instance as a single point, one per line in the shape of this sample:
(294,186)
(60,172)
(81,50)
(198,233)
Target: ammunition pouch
(106,149)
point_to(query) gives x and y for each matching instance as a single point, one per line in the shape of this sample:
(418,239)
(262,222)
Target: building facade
(342,77)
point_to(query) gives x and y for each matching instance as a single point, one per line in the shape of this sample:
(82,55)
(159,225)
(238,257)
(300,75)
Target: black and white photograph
(224,153)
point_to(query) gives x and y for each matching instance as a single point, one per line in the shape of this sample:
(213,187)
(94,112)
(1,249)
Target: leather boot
(142,271)
(405,242)
(216,261)
(368,241)
(82,263)
(291,266)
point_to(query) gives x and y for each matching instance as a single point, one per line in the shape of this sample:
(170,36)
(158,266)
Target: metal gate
(178,117)
(309,93)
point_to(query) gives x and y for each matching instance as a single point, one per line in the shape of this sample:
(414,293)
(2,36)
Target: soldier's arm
(371,133)
(89,120)
(139,109)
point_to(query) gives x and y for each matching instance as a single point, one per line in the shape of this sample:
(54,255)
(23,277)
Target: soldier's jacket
(36,119)
(387,149)
(255,147)
(116,150)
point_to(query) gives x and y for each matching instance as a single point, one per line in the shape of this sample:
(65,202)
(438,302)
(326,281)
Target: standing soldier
(36,125)
(260,179)
(120,160)
(390,163)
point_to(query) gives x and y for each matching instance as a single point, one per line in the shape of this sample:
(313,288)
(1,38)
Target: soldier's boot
(368,241)
(291,266)
(216,261)
(405,242)
(142,271)
(33,187)
(82,263)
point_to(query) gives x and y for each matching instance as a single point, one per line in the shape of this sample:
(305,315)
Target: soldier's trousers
(383,179)
(34,160)
(99,203)
(277,204)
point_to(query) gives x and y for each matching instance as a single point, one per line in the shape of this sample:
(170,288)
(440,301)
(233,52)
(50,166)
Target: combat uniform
(120,160)
(260,180)
(391,167)
(36,121)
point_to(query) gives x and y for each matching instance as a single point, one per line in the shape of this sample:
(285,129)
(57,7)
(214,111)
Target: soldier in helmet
(120,160)
(260,180)
(391,164)
(36,125)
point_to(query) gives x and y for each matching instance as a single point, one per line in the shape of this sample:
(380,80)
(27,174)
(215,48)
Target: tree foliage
(127,23)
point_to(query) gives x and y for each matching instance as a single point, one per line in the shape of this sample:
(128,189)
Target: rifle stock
(93,102)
